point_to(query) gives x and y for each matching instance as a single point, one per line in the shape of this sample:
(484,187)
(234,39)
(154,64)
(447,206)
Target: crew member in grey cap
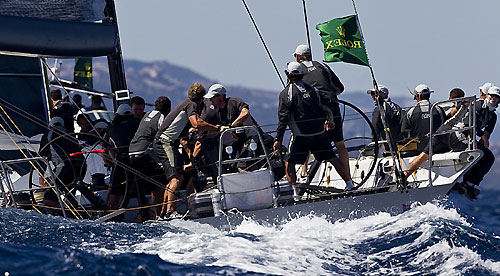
(321,77)
(416,122)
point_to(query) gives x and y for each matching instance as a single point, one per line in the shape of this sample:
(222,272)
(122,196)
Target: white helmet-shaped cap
(423,89)
(302,50)
(485,87)
(494,90)
(381,88)
(56,121)
(124,109)
(294,68)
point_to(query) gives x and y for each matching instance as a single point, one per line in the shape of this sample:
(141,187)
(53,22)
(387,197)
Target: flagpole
(399,170)
(307,27)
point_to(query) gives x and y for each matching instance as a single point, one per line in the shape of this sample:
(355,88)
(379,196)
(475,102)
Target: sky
(442,43)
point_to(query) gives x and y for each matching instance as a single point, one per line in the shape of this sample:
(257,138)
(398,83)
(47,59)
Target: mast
(115,60)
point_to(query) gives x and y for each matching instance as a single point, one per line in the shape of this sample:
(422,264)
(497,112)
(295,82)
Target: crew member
(483,89)
(301,109)
(62,109)
(458,140)
(416,122)
(142,157)
(393,114)
(119,134)
(138,105)
(321,76)
(176,125)
(450,108)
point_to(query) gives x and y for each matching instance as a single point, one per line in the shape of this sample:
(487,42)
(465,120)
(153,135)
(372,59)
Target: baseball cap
(56,121)
(215,90)
(423,89)
(124,109)
(381,88)
(486,86)
(302,50)
(494,90)
(101,124)
(294,68)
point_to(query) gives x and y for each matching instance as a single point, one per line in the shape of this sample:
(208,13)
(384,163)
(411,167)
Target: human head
(57,122)
(96,102)
(83,120)
(422,92)
(383,92)
(217,95)
(77,99)
(302,52)
(124,110)
(483,90)
(100,126)
(196,92)
(493,96)
(163,105)
(137,105)
(56,95)
(456,93)
(294,71)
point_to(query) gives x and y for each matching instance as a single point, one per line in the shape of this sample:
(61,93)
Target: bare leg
(157,199)
(416,163)
(291,176)
(114,201)
(169,195)
(344,161)
(303,171)
(339,167)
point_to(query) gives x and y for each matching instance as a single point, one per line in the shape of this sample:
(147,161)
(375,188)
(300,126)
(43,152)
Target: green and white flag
(342,41)
(83,72)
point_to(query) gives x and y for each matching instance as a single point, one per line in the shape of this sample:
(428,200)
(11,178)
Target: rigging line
(67,93)
(399,169)
(263,42)
(3,128)
(17,128)
(307,27)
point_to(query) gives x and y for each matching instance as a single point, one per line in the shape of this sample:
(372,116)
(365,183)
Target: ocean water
(457,237)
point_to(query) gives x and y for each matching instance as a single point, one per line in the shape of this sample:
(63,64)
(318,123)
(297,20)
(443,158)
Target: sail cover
(70,10)
(58,28)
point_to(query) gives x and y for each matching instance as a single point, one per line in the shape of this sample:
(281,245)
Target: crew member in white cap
(393,114)
(119,134)
(301,109)
(486,119)
(416,121)
(483,89)
(321,76)
(458,140)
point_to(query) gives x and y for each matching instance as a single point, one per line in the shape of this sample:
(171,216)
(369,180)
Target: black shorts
(170,158)
(119,178)
(444,143)
(336,134)
(149,170)
(319,145)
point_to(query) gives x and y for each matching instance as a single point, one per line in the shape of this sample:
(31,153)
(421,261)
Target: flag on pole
(342,41)
(83,72)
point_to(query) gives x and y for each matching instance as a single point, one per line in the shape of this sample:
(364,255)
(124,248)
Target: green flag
(83,72)
(342,41)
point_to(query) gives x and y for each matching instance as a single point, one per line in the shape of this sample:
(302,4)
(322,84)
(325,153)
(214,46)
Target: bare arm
(200,124)
(244,115)
(485,139)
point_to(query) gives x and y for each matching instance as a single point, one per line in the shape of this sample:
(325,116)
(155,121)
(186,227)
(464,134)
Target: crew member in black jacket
(321,77)
(301,109)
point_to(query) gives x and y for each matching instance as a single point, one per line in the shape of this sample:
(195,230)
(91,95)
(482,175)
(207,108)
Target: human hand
(277,146)
(329,125)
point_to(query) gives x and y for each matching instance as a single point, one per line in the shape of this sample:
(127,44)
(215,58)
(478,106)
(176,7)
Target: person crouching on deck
(300,108)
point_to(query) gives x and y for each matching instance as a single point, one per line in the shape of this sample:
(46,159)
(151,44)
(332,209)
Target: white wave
(313,245)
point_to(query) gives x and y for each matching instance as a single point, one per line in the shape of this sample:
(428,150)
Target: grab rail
(472,125)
